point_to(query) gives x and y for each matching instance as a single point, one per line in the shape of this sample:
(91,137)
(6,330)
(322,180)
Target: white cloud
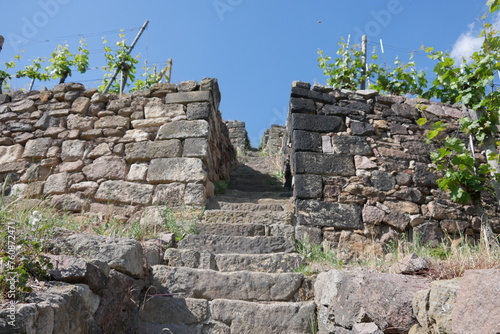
(469,42)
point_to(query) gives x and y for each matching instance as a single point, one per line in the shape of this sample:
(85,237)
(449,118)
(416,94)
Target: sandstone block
(195,194)
(72,150)
(78,122)
(156,110)
(169,194)
(57,184)
(195,148)
(107,167)
(188,97)
(328,214)
(11,153)
(183,129)
(198,111)
(137,172)
(37,148)
(168,310)
(112,122)
(148,150)
(23,106)
(80,105)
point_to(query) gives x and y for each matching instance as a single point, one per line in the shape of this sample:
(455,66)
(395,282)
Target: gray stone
(410,194)
(351,145)
(382,180)
(301,105)
(188,86)
(276,318)
(69,202)
(308,186)
(57,184)
(367,93)
(195,194)
(195,148)
(317,123)
(4,98)
(23,106)
(169,194)
(298,92)
(19,127)
(477,303)
(123,255)
(210,285)
(100,150)
(173,310)
(157,109)
(125,192)
(46,121)
(137,172)
(176,170)
(406,111)
(423,177)
(37,148)
(188,97)
(11,153)
(78,122)
(243,216)
(328,214)
(411,265)
(183,129)
(306,141)
(112,122)
(354,297)
(198,111)
(324,164)
(107,167)
(71,269)
(237,244)
(149,150)
(362,129)
(72,150)
(80,105)
(373,215)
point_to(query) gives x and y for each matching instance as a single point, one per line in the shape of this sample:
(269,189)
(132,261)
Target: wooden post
(364,44)
(1,42)
(128,52)
(169,64)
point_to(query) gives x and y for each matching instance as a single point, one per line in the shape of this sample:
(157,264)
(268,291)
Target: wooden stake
(364,44)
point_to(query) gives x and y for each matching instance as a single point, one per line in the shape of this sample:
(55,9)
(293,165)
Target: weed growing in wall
(181,221)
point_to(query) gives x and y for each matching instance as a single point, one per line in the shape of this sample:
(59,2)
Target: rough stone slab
(188,97)
(167,170)
(245,230)
(57,184)
(125,192)
(308,186)
(80,105)
(302,105)
(75,270)
(241,285)
(72,150)
(306,141)
(112,122)
(196,148)
(16,166)
(78,122)
(328,214)
(148,150)
(169,194)
(478,303)
(183,129)
(215,204)
(156,110)
(357,296)
(316,96)
(198,111)
(123,255)
(37,148)
(276,318)
(248,217)
(106,167)
(317,123)
(269,263)
(174,310)
(221,244)
(23,106)
(10,153)
(324,164)
(351,145)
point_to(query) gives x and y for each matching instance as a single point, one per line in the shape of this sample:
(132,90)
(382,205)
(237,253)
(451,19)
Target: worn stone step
(246,230)
(248,217)
(162,314)
(222,244)
(268,318)
(219,201)
(215,204)
(270,263)
(240,285)
(258,187)
(248,196)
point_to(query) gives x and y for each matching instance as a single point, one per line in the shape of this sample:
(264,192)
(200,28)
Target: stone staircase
(238,275)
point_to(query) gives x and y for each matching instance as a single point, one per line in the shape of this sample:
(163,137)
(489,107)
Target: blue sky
(255,48)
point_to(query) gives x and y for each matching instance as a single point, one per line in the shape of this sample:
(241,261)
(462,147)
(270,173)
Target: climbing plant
(32,71)
(62,61)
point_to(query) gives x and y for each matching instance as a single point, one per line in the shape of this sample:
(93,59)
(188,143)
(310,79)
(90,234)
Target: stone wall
(238,135)
(272,140)
(361,170)
(86,150)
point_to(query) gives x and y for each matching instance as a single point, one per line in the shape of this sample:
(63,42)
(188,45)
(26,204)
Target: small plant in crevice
(314,253)
(181,221)
(221,186)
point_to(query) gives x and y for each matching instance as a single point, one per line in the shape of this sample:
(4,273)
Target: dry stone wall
(88,150)
(360,168)
(238,135)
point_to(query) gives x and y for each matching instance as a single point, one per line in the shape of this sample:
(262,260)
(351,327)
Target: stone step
(248,217)
(162,314)
(258,187)
(216,204)
(221,244)
(245,230)
(239,285)
(247,196)
(270,263)
(219,201)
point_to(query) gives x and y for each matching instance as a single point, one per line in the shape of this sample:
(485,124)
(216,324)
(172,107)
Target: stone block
(15,166)
(183,129)
(195,148)
(23,106)
(37,148)
(382,180)
(75,121)
(166,170)
(362,129)
(323,164)
(301,105)
(73,270)
(20,127)
(306,141)
(99,151)
(112,122)
(80,105)
(174,310)
(328,214)
(169,194)
(423,177)
(57,184)
(148,150)
(69,202)
(351,145)
(72,150)
(137,172)
(198,111)
(317,123)
(308,186)
(156,110)
(188,97)
(313,95)
(125,192)
(107,167)
(195,194)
